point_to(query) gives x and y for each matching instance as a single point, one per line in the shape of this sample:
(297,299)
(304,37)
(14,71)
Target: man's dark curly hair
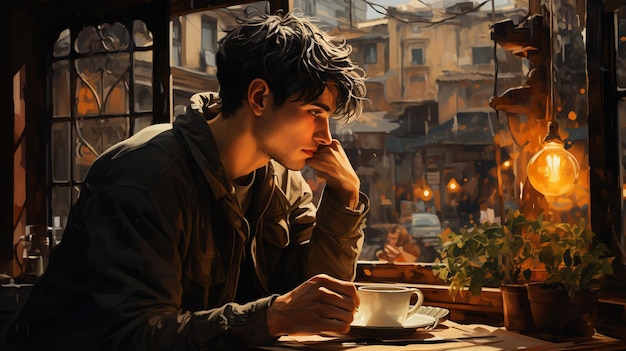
(294,56)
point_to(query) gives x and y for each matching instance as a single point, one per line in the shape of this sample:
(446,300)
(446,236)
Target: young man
(202,234)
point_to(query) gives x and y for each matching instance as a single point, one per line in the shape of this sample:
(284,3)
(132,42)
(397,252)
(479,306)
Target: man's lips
(309,152)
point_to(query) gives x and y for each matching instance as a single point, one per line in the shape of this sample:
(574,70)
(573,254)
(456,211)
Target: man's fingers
(342,302)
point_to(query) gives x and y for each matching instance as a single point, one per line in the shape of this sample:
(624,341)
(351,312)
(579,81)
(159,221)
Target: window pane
(176,43)
(61,92)
(102,85)
(482,55)
(430,141)
(141,122)
(209,34)
(143,81)
(306,6)
(209,42)
(370,53)
(141,35)
(116,84)
(60,147)
(94,136)
(62,45)
(417,57)
(103,38)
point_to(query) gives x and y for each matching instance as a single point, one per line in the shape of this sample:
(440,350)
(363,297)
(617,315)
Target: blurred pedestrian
(399,246)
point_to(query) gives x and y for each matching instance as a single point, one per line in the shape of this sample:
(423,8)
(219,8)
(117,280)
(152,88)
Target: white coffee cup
(387,305)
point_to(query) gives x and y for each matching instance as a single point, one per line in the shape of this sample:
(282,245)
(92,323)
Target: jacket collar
(192,127)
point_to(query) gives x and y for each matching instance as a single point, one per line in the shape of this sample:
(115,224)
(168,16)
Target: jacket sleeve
(135,270)
(337,238)
(327,239)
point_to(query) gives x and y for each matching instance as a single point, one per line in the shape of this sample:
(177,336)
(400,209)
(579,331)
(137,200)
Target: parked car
(426,227)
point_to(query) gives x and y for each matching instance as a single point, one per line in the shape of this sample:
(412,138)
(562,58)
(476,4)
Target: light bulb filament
(553,168)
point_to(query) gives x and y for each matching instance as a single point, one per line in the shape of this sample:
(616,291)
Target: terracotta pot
(538,275)
(516,307)
(555,313)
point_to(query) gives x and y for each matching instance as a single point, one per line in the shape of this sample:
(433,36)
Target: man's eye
(315,113)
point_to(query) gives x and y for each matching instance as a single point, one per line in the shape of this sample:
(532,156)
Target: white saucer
(409,326)
(436,312)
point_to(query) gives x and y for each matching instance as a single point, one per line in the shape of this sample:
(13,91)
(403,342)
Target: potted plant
(576,266)
(492,255)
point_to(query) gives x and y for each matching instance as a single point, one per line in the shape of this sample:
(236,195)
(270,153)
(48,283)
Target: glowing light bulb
(453,185)
(553,171)
(426,193)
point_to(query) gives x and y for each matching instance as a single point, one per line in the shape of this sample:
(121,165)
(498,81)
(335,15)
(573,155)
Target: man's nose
(322,133)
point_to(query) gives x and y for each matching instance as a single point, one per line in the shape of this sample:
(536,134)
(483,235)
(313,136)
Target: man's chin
(292,165)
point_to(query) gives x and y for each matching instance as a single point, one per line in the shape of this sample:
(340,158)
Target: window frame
(422,56)
(208,41)
(370,53)
(177,45)
(478,55)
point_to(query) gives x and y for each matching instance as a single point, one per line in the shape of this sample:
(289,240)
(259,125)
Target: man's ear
(258,90)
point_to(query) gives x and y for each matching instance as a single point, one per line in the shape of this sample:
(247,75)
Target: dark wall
(25,56)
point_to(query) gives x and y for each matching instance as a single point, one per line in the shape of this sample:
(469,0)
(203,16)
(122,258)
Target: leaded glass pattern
(102,92)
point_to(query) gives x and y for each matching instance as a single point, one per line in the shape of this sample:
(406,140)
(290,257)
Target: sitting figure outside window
(399,246)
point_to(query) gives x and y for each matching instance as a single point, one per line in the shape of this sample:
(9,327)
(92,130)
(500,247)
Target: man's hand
(321,304)
(332,164)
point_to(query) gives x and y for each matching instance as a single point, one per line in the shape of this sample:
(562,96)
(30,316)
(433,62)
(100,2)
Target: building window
(370,53)
(176,42)
(208,45)
(306,6)
(482,55)
(417,56)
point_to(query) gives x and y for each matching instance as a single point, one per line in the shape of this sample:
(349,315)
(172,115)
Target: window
(209,41)
(306,6)
(417,56)
(102,93)
(482,55)
(176,42)
(447,138)
(370,53)
(430,130)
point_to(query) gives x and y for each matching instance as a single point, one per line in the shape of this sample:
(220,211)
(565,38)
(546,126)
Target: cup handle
(418,304)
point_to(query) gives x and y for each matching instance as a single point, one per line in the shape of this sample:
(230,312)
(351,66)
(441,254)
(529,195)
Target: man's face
(292,133)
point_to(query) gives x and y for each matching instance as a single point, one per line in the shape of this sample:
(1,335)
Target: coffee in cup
(387,305)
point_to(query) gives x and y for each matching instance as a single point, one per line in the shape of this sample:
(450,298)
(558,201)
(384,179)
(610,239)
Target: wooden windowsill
(465,308)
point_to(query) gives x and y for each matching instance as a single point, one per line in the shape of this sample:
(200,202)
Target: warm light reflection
(553,170)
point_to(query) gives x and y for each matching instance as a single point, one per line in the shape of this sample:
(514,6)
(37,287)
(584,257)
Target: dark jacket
(153,249)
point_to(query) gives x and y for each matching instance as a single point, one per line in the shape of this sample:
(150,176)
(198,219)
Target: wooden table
(447,336)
